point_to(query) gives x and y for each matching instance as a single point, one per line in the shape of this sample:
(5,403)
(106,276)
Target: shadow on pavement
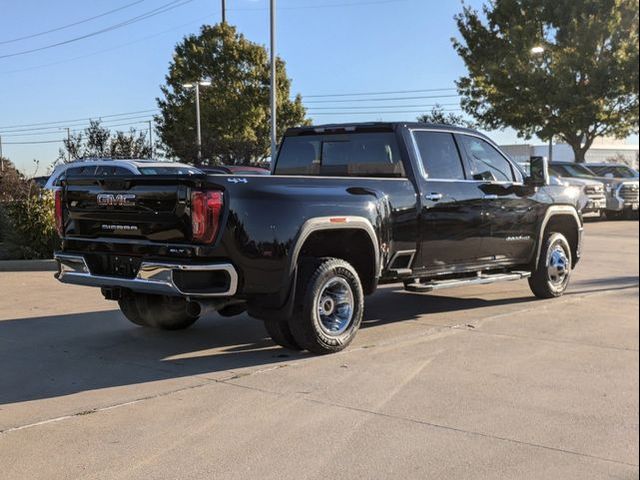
(46,357)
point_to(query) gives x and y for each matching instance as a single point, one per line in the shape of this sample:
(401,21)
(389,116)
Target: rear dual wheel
(329,305)
(156,311)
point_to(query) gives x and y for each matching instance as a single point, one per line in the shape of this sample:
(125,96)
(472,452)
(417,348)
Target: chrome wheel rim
(558,266)
(335,306)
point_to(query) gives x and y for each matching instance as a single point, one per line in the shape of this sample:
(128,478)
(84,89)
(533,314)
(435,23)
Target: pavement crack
(467,432)
(551,340)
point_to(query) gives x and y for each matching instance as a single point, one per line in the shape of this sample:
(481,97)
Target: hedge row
(27,228)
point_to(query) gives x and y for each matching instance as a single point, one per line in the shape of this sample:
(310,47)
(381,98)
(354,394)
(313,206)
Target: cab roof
(375,127)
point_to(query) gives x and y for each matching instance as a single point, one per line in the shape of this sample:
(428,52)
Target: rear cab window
(353,154)
(439,155)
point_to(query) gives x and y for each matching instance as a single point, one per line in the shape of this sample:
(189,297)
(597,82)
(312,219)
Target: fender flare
(554,211)
(335,222)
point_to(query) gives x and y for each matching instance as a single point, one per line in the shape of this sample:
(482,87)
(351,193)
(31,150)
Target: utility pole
(273,82)
(196,86)
(198,132)
(1,159)
(224,11)
(551,149)
(68,144)
(150,140)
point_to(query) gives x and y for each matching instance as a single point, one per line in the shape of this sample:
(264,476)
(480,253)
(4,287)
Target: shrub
(28,228)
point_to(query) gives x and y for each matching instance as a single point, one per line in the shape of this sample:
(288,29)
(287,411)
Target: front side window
(349,155)
(439,155)
(485,161)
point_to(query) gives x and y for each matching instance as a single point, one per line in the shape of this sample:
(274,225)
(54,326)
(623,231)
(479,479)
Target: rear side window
(169,171)
(85,171)
(440,156)
(485,161)
(349,155)
(110,171)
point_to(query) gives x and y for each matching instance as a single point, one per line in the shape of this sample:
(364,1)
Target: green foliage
(234,110)
(27,227)
(13,184)
(99,142)
(438,116)
(584,84)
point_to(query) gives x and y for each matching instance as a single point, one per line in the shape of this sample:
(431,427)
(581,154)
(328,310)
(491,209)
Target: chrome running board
(482,279)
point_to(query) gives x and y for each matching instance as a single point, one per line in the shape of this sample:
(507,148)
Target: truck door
(510,210)
(451,216)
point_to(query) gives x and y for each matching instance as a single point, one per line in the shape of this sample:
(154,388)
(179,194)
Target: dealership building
(602,150)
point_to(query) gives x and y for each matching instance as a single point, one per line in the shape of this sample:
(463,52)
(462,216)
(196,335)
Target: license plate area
(121,266)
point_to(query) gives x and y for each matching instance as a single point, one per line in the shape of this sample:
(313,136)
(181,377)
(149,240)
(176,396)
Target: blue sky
(330,46)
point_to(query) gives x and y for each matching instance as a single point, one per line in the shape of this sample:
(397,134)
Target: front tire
(329,305)
(552,274)
(156,311)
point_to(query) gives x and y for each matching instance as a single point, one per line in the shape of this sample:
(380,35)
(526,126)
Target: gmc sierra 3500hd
(348,207)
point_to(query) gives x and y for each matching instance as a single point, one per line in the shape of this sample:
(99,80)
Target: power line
(380,113)
(384,106)
(383,99)
(151,13)
(79,119)
(75,130)
(329,5)
(395,92)
(57,29)
(33,143)
(97,52)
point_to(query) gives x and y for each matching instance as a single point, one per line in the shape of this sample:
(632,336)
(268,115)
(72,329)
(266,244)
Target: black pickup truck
(347,208)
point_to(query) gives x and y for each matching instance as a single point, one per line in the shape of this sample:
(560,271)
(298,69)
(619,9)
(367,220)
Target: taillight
(206,208)
(58,213)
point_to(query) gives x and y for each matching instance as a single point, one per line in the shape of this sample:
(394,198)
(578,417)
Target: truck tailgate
(153,208)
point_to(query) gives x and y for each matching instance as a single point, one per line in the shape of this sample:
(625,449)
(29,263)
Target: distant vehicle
(622,195)
(593,190)
(236,170)
(612,170)
(101,167)
(40,181)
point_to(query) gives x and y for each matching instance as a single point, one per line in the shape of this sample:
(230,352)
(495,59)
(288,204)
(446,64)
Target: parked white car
(109,168)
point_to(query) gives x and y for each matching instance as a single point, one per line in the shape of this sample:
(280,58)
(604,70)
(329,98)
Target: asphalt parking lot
(482,382)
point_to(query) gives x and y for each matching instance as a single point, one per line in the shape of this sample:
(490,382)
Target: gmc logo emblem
(116,200)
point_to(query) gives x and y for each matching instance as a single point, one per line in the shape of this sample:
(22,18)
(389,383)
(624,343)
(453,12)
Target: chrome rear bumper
(152,277)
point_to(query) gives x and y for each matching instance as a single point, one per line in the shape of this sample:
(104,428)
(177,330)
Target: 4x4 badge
(237,180)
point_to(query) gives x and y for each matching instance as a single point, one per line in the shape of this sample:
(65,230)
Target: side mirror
(538,172)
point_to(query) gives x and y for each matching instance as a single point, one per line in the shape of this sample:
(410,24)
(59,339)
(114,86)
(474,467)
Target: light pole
(539,50)
(196,85)
(273,92)
(224,11)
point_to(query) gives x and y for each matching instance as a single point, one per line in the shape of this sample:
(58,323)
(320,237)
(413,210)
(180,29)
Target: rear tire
(553,272)
(280,333)
(156,311)
(329,305)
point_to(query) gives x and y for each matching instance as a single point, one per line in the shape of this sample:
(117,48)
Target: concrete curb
(28,265)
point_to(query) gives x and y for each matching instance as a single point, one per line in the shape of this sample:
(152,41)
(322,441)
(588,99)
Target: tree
(583,84)
(438,116)
(97,141)
(234,110)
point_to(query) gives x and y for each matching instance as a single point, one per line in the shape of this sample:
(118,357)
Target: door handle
(433,197)
(490,197)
